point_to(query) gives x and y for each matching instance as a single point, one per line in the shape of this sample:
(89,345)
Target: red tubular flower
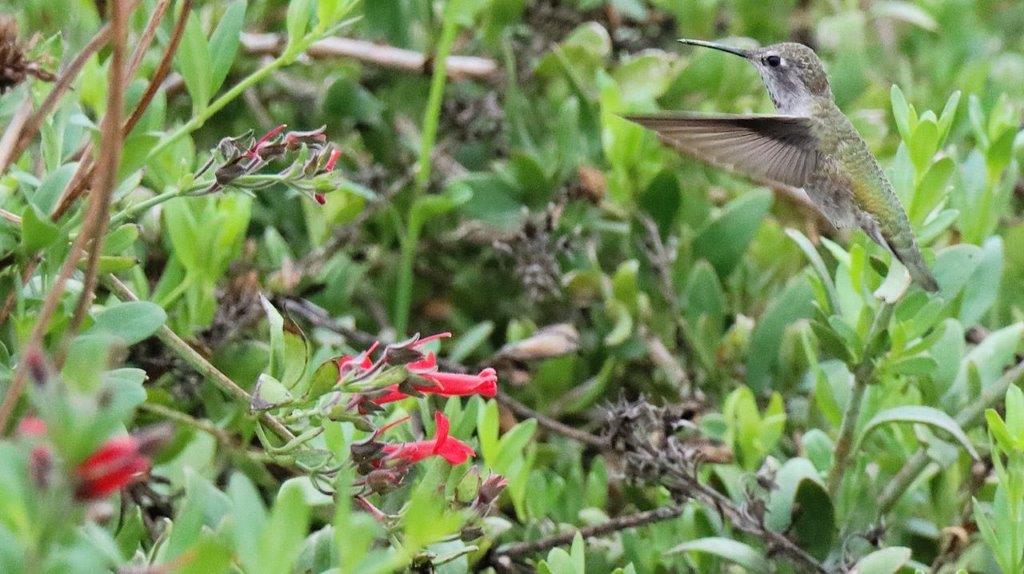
(358,363)
(332,160)
(448,385)
(115,465)
(449,448)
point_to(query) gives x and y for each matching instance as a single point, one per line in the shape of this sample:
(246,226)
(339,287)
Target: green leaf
(622,323)
(728,549)
(818,264)
(325,377)
(920,365)
(989,358)
(920,414)
(661,199)
(793,304)
(269,393)
(948,115)
(281,540)
(120,239)
(999,431)
(249,518)
(224,44)
(704,296)
(884,561)
(45,196)
(981,291)
(903,112)
(724,241)
(132,321)
(800,505)
(924,143)
(430,206)
(954,267)
(297,22)
(37,231)
(193,59)
(1015,412)
(180,225)
(470,341)
(208,556)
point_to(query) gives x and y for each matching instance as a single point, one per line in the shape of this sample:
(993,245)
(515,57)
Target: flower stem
(863,375)
(431,119)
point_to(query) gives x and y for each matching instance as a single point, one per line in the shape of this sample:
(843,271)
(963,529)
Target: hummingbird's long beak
(714,46)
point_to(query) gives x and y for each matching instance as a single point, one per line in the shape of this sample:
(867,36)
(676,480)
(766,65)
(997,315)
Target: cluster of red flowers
(422,377)
(117,463)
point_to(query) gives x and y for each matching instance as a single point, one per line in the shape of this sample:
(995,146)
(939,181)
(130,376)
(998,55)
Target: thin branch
(223,437)
(378,54)
(13,133)
(199,362)
(741,519)
(549,423)
(105,180)
(8,216)
(503,557)
(319,317)
(862,378)
(147,35)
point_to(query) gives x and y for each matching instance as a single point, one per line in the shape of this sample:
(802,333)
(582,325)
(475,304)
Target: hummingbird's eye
(773,60)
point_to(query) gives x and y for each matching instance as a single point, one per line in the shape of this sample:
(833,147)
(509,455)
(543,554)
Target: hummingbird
(810,144)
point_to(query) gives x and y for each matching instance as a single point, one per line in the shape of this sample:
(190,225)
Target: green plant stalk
(222,437)
(967,418)
(428,138)
(862,377)
(141,206)
(172,193)
(200,364)
(403,289)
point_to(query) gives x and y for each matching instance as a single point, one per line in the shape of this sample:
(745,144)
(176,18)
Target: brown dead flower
(14,66)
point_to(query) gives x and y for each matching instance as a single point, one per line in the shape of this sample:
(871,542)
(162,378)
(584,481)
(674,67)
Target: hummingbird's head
(792,73)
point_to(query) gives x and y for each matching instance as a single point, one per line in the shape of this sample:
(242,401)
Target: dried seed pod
(14,66)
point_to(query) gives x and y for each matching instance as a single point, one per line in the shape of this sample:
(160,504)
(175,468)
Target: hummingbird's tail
(904,247)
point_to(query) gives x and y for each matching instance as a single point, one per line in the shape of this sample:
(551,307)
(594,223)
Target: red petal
(427,363)
(441,433)
(31,427)
(435,337)
(332,160)
(391,396)
(455,451)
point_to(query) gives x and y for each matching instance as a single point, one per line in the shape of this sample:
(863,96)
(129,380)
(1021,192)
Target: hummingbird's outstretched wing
(778,148)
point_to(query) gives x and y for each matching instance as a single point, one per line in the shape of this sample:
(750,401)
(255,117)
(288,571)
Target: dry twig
(379,54)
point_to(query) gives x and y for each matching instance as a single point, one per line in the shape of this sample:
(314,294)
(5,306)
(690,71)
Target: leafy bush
(211,306)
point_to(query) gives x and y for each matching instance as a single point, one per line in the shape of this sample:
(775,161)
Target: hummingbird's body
(811,145)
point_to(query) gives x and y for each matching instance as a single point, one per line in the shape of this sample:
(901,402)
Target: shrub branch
(863,374)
